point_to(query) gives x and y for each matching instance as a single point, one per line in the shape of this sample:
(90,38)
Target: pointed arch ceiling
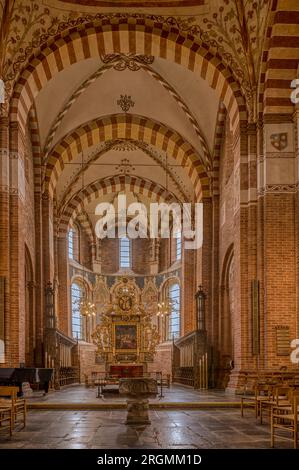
(138,37)
(135,128)
(112,185)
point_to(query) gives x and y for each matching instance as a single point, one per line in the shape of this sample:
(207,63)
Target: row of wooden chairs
(281,404)
(13,409)
(285,417)
(6,418)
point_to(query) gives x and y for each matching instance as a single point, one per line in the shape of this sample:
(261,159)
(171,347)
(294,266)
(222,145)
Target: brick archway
(112,185)
(129,127)
(126,35)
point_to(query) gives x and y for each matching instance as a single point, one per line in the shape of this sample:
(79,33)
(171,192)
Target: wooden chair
(261,393)
(6,418)
(286,418)
(8,397)
(279,397)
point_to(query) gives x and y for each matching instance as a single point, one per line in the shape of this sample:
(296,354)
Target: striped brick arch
(125,35)
(280,58)
(134,128)
(218,139)
(86,226)
(36,148)
(112,185)
(99,73)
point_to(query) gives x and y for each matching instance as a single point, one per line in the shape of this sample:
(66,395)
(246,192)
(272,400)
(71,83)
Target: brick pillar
(47,238)
(188,290)
(277,214)
(243,195)
(215,272)
(4,232)
(64,286)
(39,280)
(205,264)
(17,245)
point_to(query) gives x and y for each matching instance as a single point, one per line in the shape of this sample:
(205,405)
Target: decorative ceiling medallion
(125,167)
(125,102)
(129,61)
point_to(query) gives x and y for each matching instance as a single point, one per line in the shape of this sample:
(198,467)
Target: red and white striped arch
(280,58)
(135,128)
(86,225)
(112,185)
(126,35)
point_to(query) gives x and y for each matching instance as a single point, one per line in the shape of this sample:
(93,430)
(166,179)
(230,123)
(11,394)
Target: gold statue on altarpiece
(124,314)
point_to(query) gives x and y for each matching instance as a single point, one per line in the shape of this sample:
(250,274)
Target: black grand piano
(16,376)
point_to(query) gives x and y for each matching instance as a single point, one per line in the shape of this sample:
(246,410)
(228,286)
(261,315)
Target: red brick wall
(110,255)
(280,274)
(164,254)
(141,256)
(85,250)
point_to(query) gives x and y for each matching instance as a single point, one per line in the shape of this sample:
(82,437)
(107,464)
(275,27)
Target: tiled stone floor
(216,428)
(176,393)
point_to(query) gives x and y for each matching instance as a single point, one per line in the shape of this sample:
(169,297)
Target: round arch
(226,320)
(112,185)
(167,283)
(83,282)
(85,224)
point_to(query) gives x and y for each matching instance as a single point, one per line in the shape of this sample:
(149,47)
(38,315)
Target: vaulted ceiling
(154,90)
(166,113)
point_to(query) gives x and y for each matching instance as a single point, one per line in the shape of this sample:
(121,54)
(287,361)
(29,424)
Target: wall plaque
(282,340)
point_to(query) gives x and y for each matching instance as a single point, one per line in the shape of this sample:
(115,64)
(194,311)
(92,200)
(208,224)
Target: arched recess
(86,225)
(227,319)
(30,323)
(130,35)
(169,325)
(135,128)
(80,289)
(112,185)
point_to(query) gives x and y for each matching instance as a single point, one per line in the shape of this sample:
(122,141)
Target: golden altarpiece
(126,336)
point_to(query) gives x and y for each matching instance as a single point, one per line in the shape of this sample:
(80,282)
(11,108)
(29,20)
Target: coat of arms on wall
(279,141)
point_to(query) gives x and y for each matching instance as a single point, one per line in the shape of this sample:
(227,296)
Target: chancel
(149,220)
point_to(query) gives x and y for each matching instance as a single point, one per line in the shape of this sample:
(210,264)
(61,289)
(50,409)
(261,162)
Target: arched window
(76,295)
(124,252)
(73,244)
(178,247)
(175,314)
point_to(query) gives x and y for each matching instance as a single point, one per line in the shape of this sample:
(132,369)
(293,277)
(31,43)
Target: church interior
(120,341)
